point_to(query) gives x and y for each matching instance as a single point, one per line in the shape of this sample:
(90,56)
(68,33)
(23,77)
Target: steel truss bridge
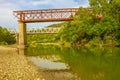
(44,15)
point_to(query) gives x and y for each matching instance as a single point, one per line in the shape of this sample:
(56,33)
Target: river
(77,63)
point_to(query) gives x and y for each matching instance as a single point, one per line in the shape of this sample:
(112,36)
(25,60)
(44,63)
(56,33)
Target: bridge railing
(37,30)
(43,30)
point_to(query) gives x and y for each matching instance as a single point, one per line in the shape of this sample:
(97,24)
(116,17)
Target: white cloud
(36,3)
(55,3)
(6,14)
(1,0)
(65,3)
(7,7)
(85,5)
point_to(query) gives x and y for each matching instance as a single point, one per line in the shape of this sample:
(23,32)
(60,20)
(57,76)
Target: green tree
(6,37)
(99,24)
(106,7)
(110,10)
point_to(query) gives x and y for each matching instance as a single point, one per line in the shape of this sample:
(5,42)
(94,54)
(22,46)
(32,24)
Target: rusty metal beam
(45,15)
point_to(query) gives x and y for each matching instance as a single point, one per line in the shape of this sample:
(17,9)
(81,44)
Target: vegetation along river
(76,63)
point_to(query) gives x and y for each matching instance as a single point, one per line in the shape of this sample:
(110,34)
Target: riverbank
(8,47)
(14,66)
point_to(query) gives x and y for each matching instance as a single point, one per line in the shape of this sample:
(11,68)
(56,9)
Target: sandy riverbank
(14,66)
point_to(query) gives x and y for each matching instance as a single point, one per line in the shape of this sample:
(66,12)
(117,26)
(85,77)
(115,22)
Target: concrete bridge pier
(22,35)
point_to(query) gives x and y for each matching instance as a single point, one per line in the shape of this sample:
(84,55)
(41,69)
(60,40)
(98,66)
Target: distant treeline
(56,25)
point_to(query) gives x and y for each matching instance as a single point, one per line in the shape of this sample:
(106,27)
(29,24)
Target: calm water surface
(86,63)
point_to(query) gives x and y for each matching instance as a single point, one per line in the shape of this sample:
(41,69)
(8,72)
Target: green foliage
(56,25)
(87,28)
(106,7)
(41,38)
(6,37)
(3,43)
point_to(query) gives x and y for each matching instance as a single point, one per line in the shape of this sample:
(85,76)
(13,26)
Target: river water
(84,63)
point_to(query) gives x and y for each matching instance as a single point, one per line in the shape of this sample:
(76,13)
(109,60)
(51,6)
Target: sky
(8,6)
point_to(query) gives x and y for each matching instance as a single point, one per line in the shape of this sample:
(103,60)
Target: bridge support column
(17,37)
(22,35)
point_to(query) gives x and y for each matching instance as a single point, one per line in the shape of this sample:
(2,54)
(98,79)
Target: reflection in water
(22,51)
(47,64)
(54,68)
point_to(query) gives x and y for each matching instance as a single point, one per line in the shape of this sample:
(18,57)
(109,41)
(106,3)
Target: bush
(6,37)
(86,28)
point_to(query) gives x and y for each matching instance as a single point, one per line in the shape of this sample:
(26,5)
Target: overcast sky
(8,6)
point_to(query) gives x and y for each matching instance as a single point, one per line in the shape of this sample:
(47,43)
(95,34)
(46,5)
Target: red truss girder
(46,15)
